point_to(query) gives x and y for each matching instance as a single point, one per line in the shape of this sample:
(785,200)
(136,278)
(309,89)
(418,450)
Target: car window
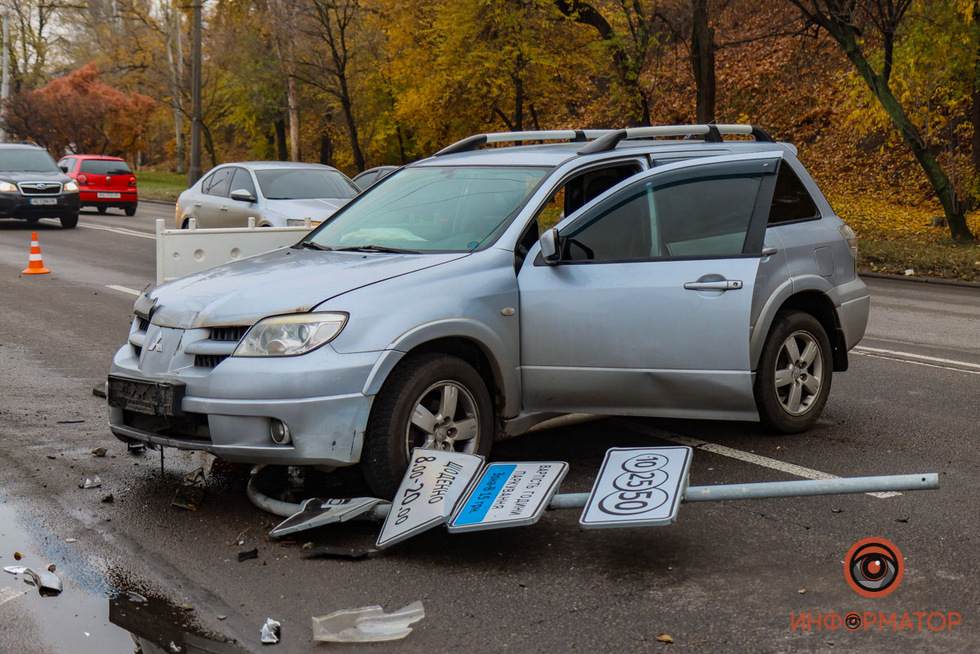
(67,164)
(304,183)
(704,217)
(92,167)
(117,168)
(434,209)
(791,201)
(242,180)
(218,182)
(27,160)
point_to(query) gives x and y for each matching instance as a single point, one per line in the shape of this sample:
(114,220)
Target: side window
(790,201)
(694,218)
(242,180)
(218,182)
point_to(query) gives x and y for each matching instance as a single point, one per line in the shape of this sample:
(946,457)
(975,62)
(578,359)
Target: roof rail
(708,133)
(572,135)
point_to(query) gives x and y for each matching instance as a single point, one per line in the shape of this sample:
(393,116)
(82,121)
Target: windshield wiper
(374,248)
(310,245)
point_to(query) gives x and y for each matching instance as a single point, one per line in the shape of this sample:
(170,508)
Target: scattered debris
(187,607)
(837,510)
(316,512)
(901,520)
(52,456)
(18,556)
(136,448)
(52,567)
(191,492)
(222,617)
(909,272)
(95,482)
(325,551)
(665,638)
(71,540)
(271,632)
(100,451)
(250,554)
(15,569)
(70,422)
(47,582)
(802,591)
(108,499)
(366,624)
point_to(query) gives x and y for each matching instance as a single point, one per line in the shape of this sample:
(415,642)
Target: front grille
(232,334)
(40,188)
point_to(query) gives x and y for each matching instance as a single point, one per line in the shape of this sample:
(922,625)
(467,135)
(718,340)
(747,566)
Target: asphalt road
(727,577)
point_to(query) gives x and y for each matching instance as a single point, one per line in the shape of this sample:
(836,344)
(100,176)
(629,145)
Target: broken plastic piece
(366,624)
(95,482)
(251,554)
(316,512)
(326,551)
(191,492)
(100,451)
(271,632)
(47,583)
(15,569)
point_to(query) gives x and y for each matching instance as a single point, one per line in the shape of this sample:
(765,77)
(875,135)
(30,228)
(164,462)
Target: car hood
(318,209)
(279,282)
(34,177)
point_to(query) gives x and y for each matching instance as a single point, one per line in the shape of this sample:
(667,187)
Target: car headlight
(284,336)
(7,187)
(71,187)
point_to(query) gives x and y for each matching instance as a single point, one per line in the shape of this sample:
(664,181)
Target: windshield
(432,209)
(304,184)
(27,160)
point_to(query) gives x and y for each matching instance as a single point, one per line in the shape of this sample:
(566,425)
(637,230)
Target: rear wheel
(130,210)
(433,401)
(69,220)
(795,372)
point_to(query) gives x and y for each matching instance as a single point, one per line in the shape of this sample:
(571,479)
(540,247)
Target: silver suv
(660,271)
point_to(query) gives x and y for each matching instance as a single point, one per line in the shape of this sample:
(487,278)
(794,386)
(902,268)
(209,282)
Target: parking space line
(748,457)
(918,359)
(123,289)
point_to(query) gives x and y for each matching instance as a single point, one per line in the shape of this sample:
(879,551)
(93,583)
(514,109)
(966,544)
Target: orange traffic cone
(35,266)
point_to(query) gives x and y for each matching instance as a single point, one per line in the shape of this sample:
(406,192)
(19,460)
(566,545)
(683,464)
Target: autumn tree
(79,113)
(861,27)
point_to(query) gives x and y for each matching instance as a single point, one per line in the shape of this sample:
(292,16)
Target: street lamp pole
(194,172)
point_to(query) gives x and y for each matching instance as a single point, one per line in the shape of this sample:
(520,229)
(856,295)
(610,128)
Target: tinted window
(705,217)
(242,180)
(218,182)
(27,160)
(304,183)
(117,168)
(790,200)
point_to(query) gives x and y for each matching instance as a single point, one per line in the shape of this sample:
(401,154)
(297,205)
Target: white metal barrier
(184,251)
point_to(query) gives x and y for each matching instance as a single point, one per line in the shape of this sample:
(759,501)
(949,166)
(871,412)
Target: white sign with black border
(431,488)
(638,487)
(509,495)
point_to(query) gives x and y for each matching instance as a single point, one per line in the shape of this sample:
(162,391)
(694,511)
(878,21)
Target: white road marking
(119,230)
(7,594)
(748,457)
(918,359)
(123,289)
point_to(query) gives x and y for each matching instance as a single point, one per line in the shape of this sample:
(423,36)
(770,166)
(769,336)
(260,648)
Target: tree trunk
(282,152)
(292,102)
(175,68)
(955,212)
(975,107)
(326,148)
(703,62)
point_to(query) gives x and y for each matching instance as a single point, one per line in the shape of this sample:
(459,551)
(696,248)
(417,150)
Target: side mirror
(241,195)
(549,247)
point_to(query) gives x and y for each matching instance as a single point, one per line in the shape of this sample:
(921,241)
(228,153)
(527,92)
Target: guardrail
(181,252)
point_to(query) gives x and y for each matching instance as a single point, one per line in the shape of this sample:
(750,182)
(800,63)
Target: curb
(921,280)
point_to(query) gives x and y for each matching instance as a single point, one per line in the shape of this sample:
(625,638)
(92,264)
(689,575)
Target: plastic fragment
(271,632)
(326,551)
(47,583)
(250,554)
(95,482)
(15,569)
(366,624)
(191,492)
(100,451)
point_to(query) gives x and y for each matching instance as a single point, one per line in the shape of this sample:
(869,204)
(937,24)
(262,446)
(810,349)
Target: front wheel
(433,401)
(795,372)
(69,220)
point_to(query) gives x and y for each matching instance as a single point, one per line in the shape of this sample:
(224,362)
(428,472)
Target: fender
(786,290)
(503,365)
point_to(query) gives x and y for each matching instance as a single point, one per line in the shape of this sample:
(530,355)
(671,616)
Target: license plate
(37,201)
(150,398)
(108,196)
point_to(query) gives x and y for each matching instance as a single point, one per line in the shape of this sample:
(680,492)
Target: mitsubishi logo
(155,345)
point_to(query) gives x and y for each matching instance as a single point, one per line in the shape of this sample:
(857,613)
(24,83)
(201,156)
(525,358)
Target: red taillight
(132,181)
(82,179)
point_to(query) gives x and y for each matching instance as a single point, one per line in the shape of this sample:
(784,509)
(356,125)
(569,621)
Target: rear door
(648,311)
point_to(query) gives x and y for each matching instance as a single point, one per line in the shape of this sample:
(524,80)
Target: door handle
(720,285)
(224,208)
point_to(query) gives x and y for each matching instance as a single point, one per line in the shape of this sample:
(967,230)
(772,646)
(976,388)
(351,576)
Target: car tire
(795,373)
(416,392)
(130,210)
(101,210)
(69,220)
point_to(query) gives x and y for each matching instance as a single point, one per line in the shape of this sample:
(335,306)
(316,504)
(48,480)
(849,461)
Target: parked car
(103,182)
(372,176)
(33,187)
(276,194)
(693,277)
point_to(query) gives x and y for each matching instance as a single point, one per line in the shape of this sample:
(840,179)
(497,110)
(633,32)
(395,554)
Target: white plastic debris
(366,624)
(15,569)
(271,632)
(95,482)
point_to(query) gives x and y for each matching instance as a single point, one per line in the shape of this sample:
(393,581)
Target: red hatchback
(103,182)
